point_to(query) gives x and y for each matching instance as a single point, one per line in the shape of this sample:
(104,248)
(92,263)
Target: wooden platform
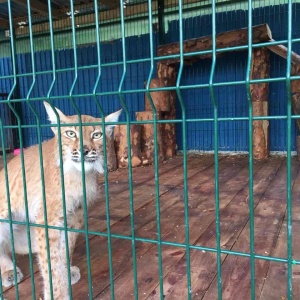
(270,233)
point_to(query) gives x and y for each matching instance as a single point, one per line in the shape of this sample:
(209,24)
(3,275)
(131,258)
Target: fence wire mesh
(92,59)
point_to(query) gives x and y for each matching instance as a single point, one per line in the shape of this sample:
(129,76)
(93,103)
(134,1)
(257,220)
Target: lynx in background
(92,152)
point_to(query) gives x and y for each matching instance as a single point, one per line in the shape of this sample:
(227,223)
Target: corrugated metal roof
(39,8)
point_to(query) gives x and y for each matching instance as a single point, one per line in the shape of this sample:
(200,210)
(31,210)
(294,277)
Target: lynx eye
(97,135)
(71,134)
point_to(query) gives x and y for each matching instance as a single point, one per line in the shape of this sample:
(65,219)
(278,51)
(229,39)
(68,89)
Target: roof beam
(4,23)
(39,7)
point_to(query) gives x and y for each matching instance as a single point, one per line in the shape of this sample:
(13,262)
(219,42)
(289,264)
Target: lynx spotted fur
(92,151)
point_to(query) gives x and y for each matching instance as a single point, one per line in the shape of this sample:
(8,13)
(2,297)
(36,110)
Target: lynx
(92,152)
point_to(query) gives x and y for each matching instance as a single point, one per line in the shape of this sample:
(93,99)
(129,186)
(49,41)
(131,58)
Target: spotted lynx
(92,152)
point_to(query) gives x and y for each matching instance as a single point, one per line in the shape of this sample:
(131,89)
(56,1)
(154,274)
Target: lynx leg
(6,264)
(76,221)
(58,263)
(7,271)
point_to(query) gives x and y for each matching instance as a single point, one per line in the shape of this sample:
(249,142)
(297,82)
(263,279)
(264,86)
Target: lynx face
(92,140)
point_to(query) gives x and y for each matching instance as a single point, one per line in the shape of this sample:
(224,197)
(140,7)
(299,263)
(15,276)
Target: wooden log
(260,94)
(147,140)
(295,84)
(135,136)
(121,145)
(168,74)
(295,89)
(260,33)
(296,108)
(112,164)
(160,98)
(298,146)
(283,52)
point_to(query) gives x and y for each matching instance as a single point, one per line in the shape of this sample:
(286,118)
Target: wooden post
(111,154)
(260,95)
(121,145)
(147,140)
(295,89)
(160,98)
(168,74)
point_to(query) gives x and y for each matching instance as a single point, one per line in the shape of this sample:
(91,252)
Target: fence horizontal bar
(171,88)
(160,58)
(157,121)
(152,241)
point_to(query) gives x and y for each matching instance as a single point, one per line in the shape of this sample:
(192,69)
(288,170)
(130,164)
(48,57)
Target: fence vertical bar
(121,97)
(289,158)
(106,183)
(216,150)
(13,53)
(9,215)
(85,209)
(60,162)
(184,148)
(156,162)
(250,142)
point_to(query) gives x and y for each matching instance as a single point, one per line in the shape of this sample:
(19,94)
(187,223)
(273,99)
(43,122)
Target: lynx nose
(86,150)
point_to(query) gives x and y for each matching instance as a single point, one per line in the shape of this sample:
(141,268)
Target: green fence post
(289,158)
(216,150)
(121,97)
(184,147)
(250,142)
(106,183)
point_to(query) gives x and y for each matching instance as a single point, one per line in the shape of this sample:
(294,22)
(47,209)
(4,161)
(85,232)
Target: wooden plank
(269,214)
(233,185)
(173,229)
(275,284)
(97,220)
(238,37)
(234,214)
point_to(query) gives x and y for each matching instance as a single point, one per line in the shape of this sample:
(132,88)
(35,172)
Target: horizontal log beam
(239,37)
(283,52)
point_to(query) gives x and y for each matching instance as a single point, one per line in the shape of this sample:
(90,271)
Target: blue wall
(232,100)
(136,74)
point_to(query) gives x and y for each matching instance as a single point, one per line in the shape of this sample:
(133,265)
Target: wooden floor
(270,233)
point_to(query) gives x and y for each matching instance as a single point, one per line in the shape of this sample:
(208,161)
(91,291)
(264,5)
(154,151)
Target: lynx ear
(52,116)
(114,117)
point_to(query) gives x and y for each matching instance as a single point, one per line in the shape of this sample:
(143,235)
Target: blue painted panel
(5,113)
(232,100)
(136,74)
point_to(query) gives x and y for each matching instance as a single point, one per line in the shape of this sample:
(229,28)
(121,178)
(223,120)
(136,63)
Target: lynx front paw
(8,278)
(75,274)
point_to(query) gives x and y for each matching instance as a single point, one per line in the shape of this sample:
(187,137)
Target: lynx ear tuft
(51,114)
(114,117)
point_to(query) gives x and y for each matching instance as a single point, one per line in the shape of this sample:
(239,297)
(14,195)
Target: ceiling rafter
(39,7)
(4,23)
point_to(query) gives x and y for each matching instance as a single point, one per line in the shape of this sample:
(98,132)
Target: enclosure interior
(170,221)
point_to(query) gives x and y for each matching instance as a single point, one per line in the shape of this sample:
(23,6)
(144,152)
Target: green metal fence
(12,103)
